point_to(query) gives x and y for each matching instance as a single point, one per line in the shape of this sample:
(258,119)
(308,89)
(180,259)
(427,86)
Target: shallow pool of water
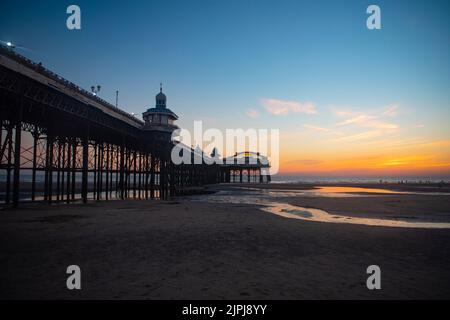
(356,190)
(317,215)
(271,201)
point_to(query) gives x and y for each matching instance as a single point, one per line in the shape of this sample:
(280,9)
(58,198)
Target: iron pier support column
(121,182)
(34,162)
(9,165)
(84,175)
(17,144)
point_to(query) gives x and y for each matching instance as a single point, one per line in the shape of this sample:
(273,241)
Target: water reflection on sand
(342,192)
(270,202)
(333,190)
(311,214)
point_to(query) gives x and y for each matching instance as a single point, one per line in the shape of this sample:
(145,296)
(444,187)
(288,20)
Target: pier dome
(161,98)
(160,118)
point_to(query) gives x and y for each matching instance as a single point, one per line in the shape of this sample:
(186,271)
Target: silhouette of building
(246,166)
(160,118)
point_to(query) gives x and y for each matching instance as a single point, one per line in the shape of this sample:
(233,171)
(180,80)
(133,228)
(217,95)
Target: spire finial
(160,87)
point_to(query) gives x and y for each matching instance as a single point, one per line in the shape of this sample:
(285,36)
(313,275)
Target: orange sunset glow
(397,150)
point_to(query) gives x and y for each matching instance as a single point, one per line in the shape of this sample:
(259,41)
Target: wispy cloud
(359,136)
(305,162)
(316,128)
(252,113)
(283,107)
(367,121)
(391,111)
(342,113)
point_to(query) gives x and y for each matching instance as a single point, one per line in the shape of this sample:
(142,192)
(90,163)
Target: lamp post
(95,89)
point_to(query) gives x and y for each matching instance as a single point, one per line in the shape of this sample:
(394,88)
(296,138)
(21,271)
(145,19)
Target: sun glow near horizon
(433,159)
(366,143)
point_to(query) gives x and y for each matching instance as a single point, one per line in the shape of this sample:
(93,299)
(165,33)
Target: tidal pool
(317,215)
(271,201)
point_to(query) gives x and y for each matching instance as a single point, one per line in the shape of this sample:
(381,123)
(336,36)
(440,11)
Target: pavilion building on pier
(246,167)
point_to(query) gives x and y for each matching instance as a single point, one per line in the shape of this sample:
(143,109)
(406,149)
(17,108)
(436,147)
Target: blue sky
(218,60)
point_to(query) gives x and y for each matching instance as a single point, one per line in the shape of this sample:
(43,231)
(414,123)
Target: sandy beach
(194,248)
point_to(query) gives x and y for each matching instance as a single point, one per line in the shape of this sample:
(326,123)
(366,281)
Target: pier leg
(68,168)
(107,169)
(111,167)
(33,169)
(118,156)
(140,175)
(74,166)
(84,176)
(9,164)
(50,143)
(147,167)
(17,143)
(152,177)
(121,182)
(63,169)
(58,170)
(94,171)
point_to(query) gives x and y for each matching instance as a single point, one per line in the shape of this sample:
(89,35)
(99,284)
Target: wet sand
(187,249)
(423,207)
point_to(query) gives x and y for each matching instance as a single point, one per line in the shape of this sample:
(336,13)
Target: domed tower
(160,118)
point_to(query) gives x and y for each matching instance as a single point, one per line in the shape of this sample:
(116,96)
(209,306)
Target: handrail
(48,73)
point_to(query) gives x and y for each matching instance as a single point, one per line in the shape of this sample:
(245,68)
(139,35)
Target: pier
(61,143)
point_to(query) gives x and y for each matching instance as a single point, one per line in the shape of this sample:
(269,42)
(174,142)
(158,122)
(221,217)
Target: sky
(347,100)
